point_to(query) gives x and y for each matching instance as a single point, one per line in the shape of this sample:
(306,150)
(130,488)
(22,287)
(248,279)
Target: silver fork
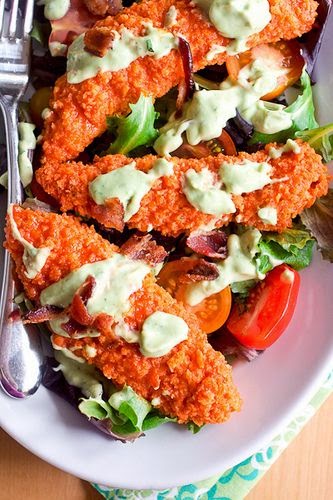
(20,348)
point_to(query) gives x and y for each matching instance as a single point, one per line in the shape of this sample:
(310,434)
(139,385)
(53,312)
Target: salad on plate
(179,187)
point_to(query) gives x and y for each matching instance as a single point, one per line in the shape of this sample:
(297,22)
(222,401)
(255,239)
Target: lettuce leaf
(321,139)
(127,412)
(131,406)
(293,247)
(95,408)
(319,221)
(291,239)
(136,129)
(242,288)
(302,113)
(41,32)
(194,428)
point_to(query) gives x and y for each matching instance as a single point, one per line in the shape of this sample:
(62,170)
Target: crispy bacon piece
(201,271)
(210,244)
(111,214)
(99,41)
(104,7)
(72,327)
(77,20)
(144,248)
(78,310)
(44,313)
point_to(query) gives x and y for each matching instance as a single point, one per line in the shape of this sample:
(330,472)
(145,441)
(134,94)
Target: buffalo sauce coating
(193,381)
(79,110)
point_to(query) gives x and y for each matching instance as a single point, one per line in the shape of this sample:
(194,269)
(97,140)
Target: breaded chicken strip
(165,207)
(192,382)
(78,111)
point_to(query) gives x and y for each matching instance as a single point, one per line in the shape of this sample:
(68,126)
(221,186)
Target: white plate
(274,388)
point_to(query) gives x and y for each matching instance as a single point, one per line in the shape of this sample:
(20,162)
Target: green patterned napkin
(236,482)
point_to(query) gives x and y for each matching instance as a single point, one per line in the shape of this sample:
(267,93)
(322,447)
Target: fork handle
(10,116)
(20,349)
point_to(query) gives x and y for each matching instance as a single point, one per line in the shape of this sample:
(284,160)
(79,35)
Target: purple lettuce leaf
(311,42)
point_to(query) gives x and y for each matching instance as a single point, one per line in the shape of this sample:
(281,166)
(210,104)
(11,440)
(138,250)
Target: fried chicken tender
(78,111)
(192,382)
(165,207)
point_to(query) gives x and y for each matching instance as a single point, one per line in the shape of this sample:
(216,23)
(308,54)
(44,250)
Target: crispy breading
(192,383)
(78,111)
(165,207)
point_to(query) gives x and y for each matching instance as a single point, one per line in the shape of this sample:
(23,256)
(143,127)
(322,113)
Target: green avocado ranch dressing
(211,194)
(207,113)
(27,141)
(116,279)
(126,48)
(237,18)
(239,266)
(33,258)
(128,184)
(54,9)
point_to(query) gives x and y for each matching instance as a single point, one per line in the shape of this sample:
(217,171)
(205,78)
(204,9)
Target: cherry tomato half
(212,312)
(268,310)
(281,55)
(223,144)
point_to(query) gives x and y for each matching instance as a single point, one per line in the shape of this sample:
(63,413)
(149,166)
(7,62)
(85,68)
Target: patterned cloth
(236,482)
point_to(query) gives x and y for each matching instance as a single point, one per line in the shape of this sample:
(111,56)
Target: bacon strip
(210,244)
(78,310)
(44,313)
(202,271)
(99,41)
(104,7)
(72,327)
(144,248)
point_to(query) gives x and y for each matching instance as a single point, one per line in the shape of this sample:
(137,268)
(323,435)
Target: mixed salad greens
(254,311)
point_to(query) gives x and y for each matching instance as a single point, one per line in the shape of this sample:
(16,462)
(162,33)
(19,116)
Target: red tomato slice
(285,55)
(223,144)
(212,312)
(268,311)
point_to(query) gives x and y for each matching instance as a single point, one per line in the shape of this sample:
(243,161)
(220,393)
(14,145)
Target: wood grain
(303,472)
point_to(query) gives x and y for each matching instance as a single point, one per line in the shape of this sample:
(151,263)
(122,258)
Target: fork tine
(13,19)
(2,13)
(29,12)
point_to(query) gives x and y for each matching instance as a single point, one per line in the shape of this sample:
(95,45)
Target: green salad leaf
(41,32)
(194,428)
(293,247)
(302,114)
(95,408)
(242,288)
(131,406)
(321,139)
(127,412)
(319,221)
(134,130)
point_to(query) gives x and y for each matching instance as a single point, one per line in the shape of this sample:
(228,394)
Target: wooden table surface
(303,472)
